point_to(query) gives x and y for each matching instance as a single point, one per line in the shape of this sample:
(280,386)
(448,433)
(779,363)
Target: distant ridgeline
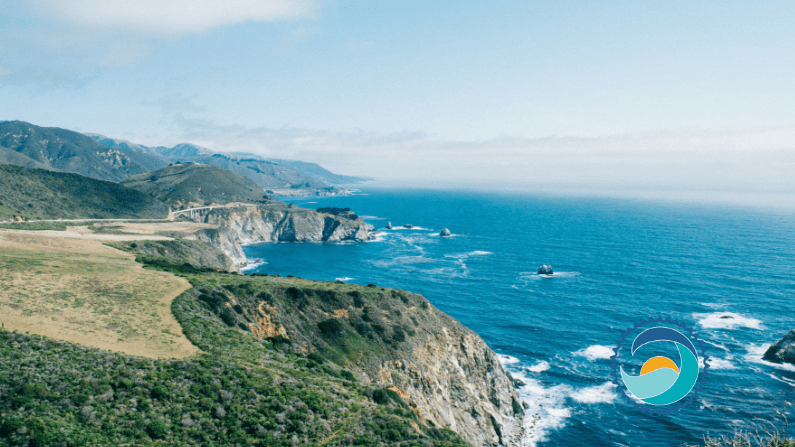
(24,144)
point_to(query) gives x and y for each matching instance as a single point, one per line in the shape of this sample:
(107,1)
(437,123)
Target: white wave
(252,264)
(507,359)
(411,229)
(479,253)
(344,279)
(755,353)
(539,367)
(556,274)
(726,320)
(595,352)
(600,394)
(373,217)
(309,202)
(717,345)
(546,410)
(783,379)
(718,363)
(379,237)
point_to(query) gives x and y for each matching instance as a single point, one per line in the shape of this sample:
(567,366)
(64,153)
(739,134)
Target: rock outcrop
(545,270)
(783,351)
(250,224)
(444,233)
(409,226)
(389,225)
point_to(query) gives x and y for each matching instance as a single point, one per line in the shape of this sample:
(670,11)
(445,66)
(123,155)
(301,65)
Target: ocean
(726,272)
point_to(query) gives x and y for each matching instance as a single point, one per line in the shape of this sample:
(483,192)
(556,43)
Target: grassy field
(81,291)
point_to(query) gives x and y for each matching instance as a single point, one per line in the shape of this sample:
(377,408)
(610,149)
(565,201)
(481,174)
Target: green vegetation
(67,151)
(244,390)
(40,194)
(184,183)
(34,226)
(765,434)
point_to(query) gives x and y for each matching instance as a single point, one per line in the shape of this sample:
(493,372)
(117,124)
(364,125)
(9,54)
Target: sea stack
(389,225)
(782,351)
(408,226)
(444,233)
(545,270)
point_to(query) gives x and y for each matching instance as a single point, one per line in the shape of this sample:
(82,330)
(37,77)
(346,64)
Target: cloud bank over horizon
(746,160)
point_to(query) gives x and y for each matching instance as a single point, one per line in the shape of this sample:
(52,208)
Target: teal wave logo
(662,381)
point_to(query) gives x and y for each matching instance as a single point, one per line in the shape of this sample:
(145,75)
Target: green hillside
(64,150)
(43,194)
(242,390)
(11,157)
(190,184)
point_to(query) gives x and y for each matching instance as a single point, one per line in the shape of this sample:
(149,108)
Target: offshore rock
(782,351)
(409,226)
(389,225)
(545,270)
(444,233)
(276,222)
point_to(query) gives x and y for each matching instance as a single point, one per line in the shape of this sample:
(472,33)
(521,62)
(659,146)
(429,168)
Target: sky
(632,95)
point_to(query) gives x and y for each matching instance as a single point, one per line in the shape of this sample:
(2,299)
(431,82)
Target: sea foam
(726,320)
(600,394)
(595,352)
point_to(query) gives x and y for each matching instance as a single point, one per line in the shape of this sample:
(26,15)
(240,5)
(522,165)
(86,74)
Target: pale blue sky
(427,86)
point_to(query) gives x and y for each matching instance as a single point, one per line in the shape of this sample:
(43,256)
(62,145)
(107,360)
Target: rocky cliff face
(250,224)
(394,340)
(783,350)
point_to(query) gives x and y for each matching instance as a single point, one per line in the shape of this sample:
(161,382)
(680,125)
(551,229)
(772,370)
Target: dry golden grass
(73,288)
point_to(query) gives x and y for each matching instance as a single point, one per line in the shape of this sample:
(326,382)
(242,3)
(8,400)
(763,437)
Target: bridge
(191,212)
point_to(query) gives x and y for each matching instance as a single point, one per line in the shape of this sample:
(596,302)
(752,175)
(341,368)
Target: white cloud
(172,16)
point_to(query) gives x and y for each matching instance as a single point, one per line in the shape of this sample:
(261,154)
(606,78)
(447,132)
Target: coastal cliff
(276,222)
(392,340)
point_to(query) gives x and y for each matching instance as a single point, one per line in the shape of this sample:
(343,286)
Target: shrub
(331,327)
(347,375)
(371,285)
(157,429)
(244,327)
(159,392)
(315,357)
(238,308)
(228,317)
(380,397)
(398,335)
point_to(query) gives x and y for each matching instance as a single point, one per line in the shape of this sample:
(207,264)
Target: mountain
(64,150)
(319,172)
(268,173)
(42,194)
(264,173)
(190,184)
(11,157)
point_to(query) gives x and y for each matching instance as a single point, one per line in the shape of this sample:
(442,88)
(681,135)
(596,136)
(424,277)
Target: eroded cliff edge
(245,224)
(390,339)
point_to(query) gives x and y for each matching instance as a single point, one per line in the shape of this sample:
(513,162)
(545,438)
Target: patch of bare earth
(71,287)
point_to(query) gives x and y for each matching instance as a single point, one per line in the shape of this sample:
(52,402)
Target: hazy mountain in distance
(268,173)
(317,171)
(68,151)
(185,185)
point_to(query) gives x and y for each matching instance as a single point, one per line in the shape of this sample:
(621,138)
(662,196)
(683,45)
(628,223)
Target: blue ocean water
(729,273)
